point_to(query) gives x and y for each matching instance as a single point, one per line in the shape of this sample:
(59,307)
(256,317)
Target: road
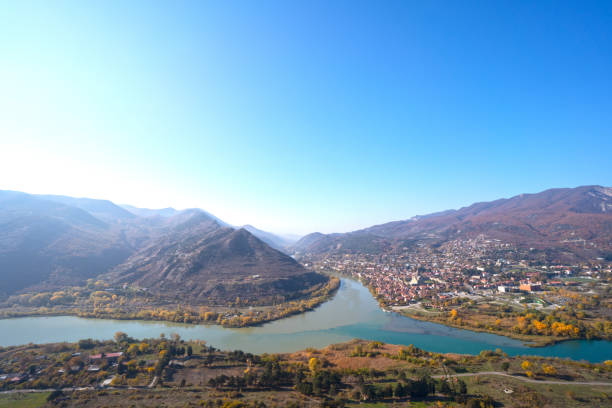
(529,380)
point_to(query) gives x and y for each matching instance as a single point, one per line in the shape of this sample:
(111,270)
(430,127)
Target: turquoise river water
(352,313)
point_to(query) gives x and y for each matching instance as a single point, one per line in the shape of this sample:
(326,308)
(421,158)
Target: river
(352,313)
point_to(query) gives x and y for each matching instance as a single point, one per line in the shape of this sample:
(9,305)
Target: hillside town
(478,279)
(476,266)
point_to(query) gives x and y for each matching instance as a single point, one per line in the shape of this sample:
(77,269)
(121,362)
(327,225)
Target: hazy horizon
(308,117)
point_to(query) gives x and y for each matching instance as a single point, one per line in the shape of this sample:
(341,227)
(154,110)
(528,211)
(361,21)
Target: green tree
(461,387)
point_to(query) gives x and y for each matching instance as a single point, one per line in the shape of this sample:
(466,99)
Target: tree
(444,388)
(304,388)
(120,337)
(314,364)
(75,361)
(422,387)
(399,391)
(461,387)
(55,395)
(133,349)
(368,392)
(86,344)
(549,369)
(505,366)
(526,365)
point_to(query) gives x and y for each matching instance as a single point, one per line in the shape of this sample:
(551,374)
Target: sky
(302,116)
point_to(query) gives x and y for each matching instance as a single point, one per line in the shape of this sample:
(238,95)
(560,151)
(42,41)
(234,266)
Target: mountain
(44,240)
(47,242)
(147,212)
(353,242)
(275,241)
(215,266)
(102,209)
(578,220)
(170,212)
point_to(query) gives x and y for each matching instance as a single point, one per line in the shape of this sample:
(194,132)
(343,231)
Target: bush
(55,395)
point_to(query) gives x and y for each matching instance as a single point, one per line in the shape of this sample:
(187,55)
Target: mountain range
(50,241)
(572,223)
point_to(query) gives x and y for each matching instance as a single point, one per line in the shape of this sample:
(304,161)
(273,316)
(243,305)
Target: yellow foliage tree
(314,364)
(526,365)
(548,369)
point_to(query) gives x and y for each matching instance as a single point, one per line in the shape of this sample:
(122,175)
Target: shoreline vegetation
(169,371)
(99,301)
(529,341)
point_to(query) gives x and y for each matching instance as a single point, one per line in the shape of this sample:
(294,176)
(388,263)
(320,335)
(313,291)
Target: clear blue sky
(305,116)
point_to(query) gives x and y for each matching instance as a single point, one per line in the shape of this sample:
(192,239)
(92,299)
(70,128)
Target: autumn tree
(120,337)
(549,369)
(314,364)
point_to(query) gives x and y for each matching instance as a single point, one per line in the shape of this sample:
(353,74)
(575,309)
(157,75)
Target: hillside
(102,209)
(50,242)
(44,241)
(214,266)
(575,220)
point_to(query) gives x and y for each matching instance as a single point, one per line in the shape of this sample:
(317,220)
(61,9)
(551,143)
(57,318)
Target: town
(435,282)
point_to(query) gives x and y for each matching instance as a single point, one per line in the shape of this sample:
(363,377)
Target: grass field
(30,400)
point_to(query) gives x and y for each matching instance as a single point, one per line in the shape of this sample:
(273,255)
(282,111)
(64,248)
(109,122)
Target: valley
(348,319)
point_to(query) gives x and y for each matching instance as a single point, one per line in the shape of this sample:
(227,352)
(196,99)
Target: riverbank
(179,313)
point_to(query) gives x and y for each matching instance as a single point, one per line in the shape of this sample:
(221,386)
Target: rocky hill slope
(49,242)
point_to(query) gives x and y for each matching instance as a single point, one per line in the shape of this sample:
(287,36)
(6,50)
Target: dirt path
(529,380)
